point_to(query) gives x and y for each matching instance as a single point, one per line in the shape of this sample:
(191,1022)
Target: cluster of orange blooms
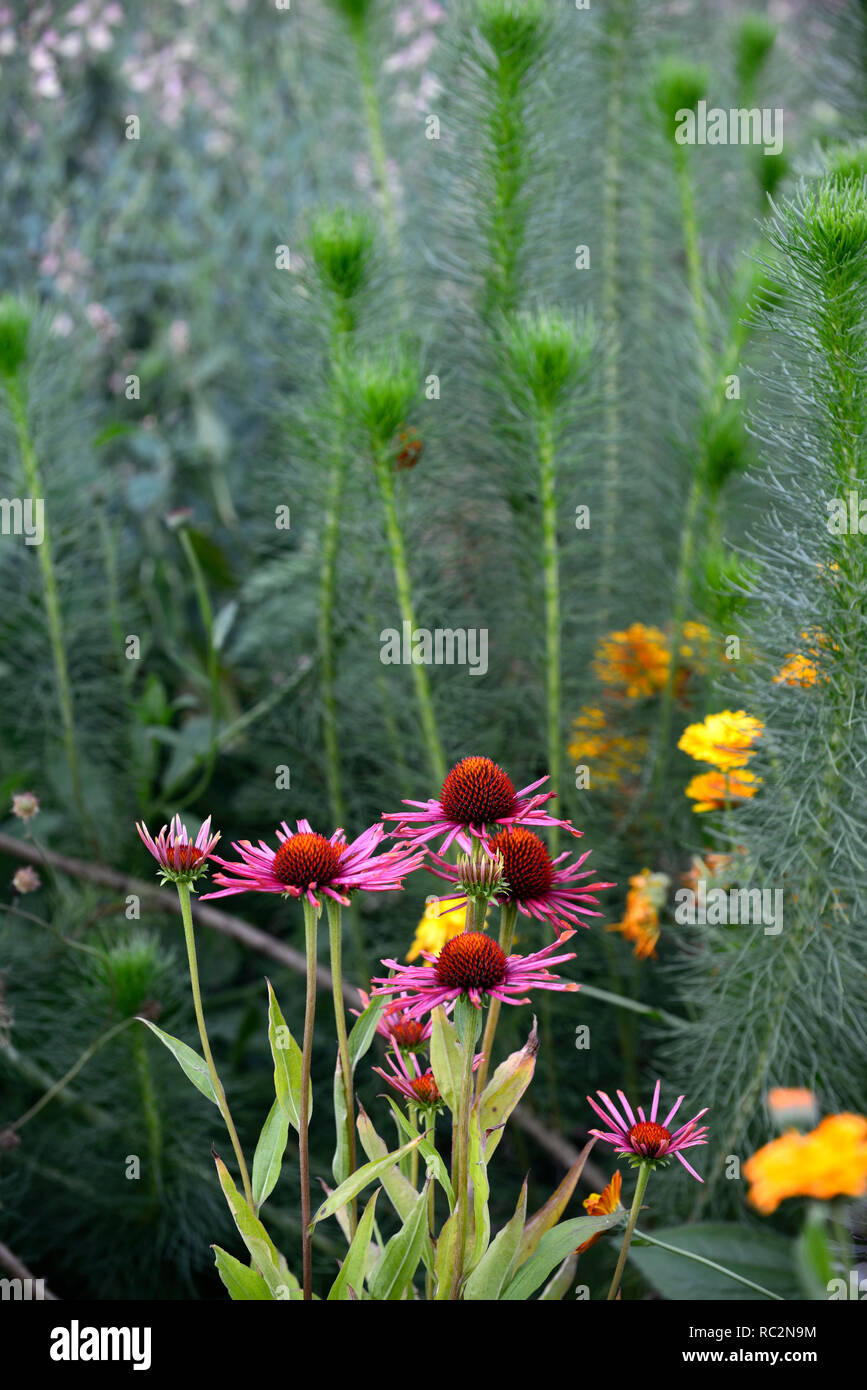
(726,741)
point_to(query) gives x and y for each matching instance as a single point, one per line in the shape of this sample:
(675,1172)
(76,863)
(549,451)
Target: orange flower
(725,739)
(647,893)
(792,1105)
(711,866)
(797,669)
(634,662)
(830,1161)
(601,1204)
(711,791)
(611,757)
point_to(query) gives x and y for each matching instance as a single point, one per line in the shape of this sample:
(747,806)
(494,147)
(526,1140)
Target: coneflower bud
(482,876)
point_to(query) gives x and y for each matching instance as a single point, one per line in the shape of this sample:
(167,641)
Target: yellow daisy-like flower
(612,757)
(634,662)
(726,739)
(712,791)
(438,925)
(640,924)
(830,1161)
(602,1204)
(798,670)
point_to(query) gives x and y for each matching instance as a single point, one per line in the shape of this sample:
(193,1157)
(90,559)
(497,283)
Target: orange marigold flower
(709,866)
(634,662)
(602,1204)
(830,1161)
(640,924)
(798,670)
(712,791)
(612,757)
(792,1105)
(726,739)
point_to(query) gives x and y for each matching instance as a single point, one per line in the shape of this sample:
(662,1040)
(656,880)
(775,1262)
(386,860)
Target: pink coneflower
(644,1140)
(534,883)
(180,860)
(472,964)
(476,793)
(404,1033)
(305,864)
(417,1086)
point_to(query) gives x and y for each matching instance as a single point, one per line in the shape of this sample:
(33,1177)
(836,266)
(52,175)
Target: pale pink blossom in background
(8,43)
(99,37)
(62,325)
(25,805)
(179,336)
(26,880)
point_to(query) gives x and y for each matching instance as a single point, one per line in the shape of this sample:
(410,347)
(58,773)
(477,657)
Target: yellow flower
(797,669)
(713,790)
(611,757)
(725,739)
(438,925)
(695,645)
(634,662)
(830,1161)
(602,1204)
(640,924)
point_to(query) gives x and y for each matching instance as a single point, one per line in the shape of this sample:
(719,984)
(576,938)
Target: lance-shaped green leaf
(429,1153)
(505,1088)
(548,1215)
(554,1247)
(402,1253)
(444,1258)
(352,1271)
(194,1066)
(364,1031)
(245,1285)
(268,1260)
(558,1287)
(268,1158)
(478,1176)
(495,1269)
(358,1180)
(287,1063)
(446,1059)
(399,1190)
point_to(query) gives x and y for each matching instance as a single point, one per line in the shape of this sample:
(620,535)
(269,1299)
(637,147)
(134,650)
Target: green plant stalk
(311,921)
(223,1104)
(206,613)
(151,1109)
(460,1179)
(508,918)
(376,143)
(60,1085)
(51,600)
(709,1264)
(640,1185)
(397,553)
(551,580)
(506,132)
(335,941)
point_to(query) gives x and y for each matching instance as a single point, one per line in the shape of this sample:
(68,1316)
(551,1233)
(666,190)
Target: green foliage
(678,85)
(755,37)
(15,321)
(548,352)
(380,390)
(341,243)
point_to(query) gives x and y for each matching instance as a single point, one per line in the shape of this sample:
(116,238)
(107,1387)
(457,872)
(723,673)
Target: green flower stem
(397,552)
(336,945)
(150,1106)
(51,598)
(431,1208)
(460,1176)
(60,1085)
(551,576)
(376,142)
(328,581)
(311,922)
(641,1184)
(508,918)
(206,613)
(189,937)
(710,1264)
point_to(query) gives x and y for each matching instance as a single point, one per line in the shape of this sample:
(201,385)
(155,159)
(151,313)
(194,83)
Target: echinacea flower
(726,739)
(640,922)
(404,1033)
(713,791)
(440,922)
(417,1086)
(534,883)
(830,1161)
(475,795)
(180,859)
(646,1141)
(602,1204)
(472,965)
(306,863)
(634,662)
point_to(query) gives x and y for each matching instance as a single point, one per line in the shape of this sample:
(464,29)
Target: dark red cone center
(647,1138)
(306,859)
(527,864)
(471,961)
(477,792)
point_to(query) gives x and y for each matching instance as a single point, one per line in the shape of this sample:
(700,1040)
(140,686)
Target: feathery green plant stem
(611,311)
(551,579)
(51,597)
(328,580)
(335,940)
(311,923)
(150,1108)
(508,918)
(206,614)
(640,1185)
(222,1103)
(397,553)
(376,142)
(62,1082)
